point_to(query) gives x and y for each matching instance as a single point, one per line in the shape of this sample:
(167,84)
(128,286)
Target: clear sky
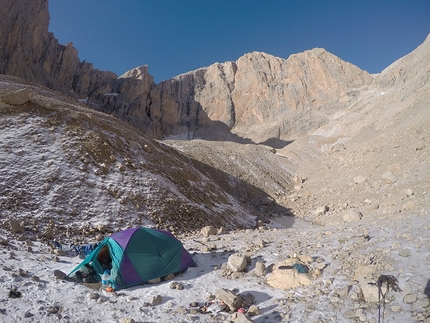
(178,36)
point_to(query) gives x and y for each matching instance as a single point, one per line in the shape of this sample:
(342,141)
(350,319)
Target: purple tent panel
(129,273)
(123,237)
(186,260)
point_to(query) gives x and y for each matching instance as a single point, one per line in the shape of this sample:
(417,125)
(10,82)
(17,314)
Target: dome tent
(139,255)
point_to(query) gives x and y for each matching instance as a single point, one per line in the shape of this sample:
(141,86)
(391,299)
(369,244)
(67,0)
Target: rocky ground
(349,200)
(345,261)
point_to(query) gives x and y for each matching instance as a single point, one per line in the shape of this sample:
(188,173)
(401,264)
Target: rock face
(257,99)
(30,52)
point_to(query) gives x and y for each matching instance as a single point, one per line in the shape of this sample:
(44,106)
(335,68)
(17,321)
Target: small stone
(231,300)
(154,281)
(59,274)
(181,310)
(359,179)
(410,298)
(156,300)
(349,314)
(237,262)
(396,308)
(28,314)
(93,296)
(322,210)
(176,285)
(351,215)
(127,320)
(404,253)
(59,252)
(260,269)
(101,299)
(388,177)
(169,277)
(253,310)
(240,318)
(15,226)
(208,231)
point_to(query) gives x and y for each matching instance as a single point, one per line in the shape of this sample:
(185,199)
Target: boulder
(18,97)
(230,299)
(240,318)
(237,262)
(156,300)
(154,281)
(370,291)
(260,269)
(253,310)
(15,226)
(59,274)
(208,231)
(288,278)
(285,274)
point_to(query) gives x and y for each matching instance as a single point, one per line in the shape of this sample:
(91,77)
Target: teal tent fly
(138,255)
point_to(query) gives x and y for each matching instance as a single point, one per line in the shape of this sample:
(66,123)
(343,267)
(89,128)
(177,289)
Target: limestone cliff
(29,51)
(259,98)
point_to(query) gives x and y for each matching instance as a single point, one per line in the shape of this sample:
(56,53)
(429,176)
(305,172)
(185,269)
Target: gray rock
(240,318)
(359,179)
(127,320)
(231,300)
(404,253)
(253,310)
(322,210)
(237,262)
(260,269)
(208,231)
(349,314)
(248,298)
(410,298)
(18,97)
(156,300)
(59,252)
(388,177)
(59,274)
(176,285)
(93,296)
(154,281)
(351,215)
(396,308)
(169,277)
(370,292)
(15,226)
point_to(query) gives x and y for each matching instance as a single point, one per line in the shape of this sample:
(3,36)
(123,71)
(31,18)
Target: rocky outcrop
(412,67)
(259,98)
(127,97)
(30,52)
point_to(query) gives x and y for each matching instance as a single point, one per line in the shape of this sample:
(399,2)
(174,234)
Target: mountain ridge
(259,98)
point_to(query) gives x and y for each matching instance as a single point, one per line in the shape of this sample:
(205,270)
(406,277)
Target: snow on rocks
(348,259)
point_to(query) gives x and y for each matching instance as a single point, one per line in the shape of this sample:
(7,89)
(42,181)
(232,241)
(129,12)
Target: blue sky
(177,36)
